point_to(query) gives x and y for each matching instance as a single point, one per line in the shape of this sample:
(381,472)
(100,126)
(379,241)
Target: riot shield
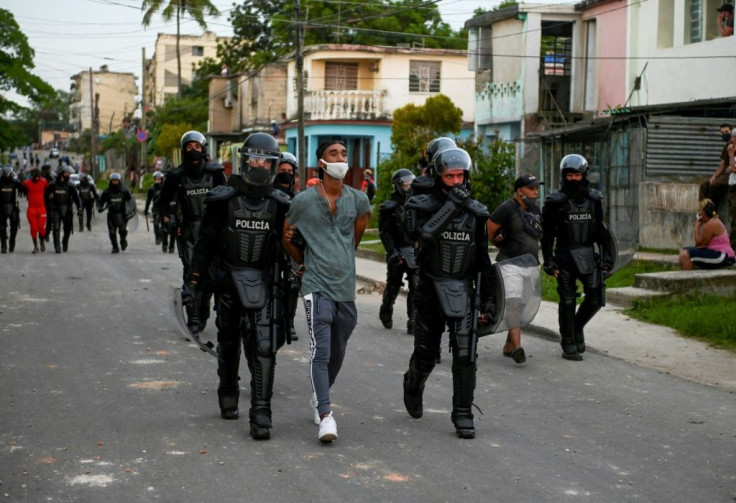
(131,214)
(178,310)
(517,290)
(620,255)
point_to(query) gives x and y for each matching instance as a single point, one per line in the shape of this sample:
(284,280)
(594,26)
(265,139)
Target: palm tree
(195,8)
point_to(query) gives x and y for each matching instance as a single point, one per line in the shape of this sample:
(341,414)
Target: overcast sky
(70,36)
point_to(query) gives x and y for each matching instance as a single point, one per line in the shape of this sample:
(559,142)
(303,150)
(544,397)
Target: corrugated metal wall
(683,146)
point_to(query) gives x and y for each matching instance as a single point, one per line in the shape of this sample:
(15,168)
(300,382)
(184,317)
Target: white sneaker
(327,429)
(313,403)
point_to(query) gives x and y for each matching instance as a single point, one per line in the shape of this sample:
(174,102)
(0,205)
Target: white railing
(340,104)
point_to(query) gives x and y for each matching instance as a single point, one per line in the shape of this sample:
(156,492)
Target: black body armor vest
(85,192)
(8,197)
(251,235)
(60,199)
(191,202)
(579,223)
(451,254)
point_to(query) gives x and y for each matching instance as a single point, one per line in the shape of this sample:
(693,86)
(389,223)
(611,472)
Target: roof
(490,17)
(586,4)
(379,49)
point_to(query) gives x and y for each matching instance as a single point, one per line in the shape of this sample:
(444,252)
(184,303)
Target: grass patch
(707,318)
(621,278)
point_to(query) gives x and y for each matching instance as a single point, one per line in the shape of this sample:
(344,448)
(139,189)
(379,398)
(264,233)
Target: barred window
(424,76)
(341,76)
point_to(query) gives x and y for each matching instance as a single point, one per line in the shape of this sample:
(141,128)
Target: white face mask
(336,170)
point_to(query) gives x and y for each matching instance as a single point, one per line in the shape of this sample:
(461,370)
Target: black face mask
(726,136)
(194,158)
(114,187)
(284,178)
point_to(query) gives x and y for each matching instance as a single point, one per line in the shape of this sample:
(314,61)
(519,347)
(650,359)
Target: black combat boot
(35,245)
(65,244)
(11,248)
(57,241)
(414,380)
(463,387)
(43,244)
(228,392)
(385,314)
(4,247)
(261,384)
(567,331)
(387,305)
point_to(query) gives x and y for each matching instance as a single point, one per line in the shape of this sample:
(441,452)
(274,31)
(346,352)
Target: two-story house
(351,91)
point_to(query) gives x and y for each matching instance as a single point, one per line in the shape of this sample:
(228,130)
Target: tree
(197,9)
(16,61)
(168,140)
(413,127)
(264,29)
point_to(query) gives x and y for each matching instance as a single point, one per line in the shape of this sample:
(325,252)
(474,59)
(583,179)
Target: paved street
(102,400)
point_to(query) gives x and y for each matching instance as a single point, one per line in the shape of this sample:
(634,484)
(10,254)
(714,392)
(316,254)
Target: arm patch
(280,197)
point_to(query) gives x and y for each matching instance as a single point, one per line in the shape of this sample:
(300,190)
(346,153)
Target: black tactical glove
(549,268)
(298,240)
(459,195)
(187,293)
(606,266)
(488,307)
(395,257)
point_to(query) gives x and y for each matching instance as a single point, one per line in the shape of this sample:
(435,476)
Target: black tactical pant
(430,324)
(394,281)
(117,225)
(571,322)
(58,221)
(251,328)
(87,207)
(13,221)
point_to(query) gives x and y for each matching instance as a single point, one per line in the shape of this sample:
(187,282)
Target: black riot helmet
(196,137)
(116,176)
(452,158)
(158,176)
(401,180)
(289,158)
(438,144)
(573,163)
(259,159)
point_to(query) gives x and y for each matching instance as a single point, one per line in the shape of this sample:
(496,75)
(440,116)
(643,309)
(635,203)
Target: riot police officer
(239,249)
(425,181)
(187,185)
(154,190)
(9,209)
(114,198)
(50,177)
(449,227)
(88,195)
(285,182)
(60,196)
(399,249)
(572,222)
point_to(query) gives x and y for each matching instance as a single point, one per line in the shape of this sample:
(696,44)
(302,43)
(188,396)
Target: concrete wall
(667,214)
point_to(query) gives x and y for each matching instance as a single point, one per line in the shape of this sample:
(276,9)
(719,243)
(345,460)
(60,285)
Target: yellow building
(161,71)
(113,94)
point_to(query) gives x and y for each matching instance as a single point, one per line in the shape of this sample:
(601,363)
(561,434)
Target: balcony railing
(340,104)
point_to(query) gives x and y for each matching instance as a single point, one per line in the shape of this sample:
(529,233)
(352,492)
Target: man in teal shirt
(331,217)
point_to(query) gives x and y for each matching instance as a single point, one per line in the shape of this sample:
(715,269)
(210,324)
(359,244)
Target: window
(341,76)
(197,50)
(424,76)
(480,51)
(700,20)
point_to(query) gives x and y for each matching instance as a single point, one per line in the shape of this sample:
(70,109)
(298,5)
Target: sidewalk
(615,334)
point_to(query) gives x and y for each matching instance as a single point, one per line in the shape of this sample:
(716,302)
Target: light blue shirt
(329,258)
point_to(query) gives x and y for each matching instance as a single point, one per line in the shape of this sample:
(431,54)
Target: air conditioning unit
(228,103)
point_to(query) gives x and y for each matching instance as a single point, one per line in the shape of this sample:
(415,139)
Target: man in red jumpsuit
(36,186)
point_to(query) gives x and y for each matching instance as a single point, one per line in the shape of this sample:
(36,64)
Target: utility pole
(92,139)
(143,106)
(300,95)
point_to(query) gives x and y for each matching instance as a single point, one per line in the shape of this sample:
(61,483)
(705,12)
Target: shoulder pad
(595,195)
(556,197)
(220,193)
(478,209)
(423,182)
(213,166)
(280,197)
(388,206)
(176,172)
(425,202)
